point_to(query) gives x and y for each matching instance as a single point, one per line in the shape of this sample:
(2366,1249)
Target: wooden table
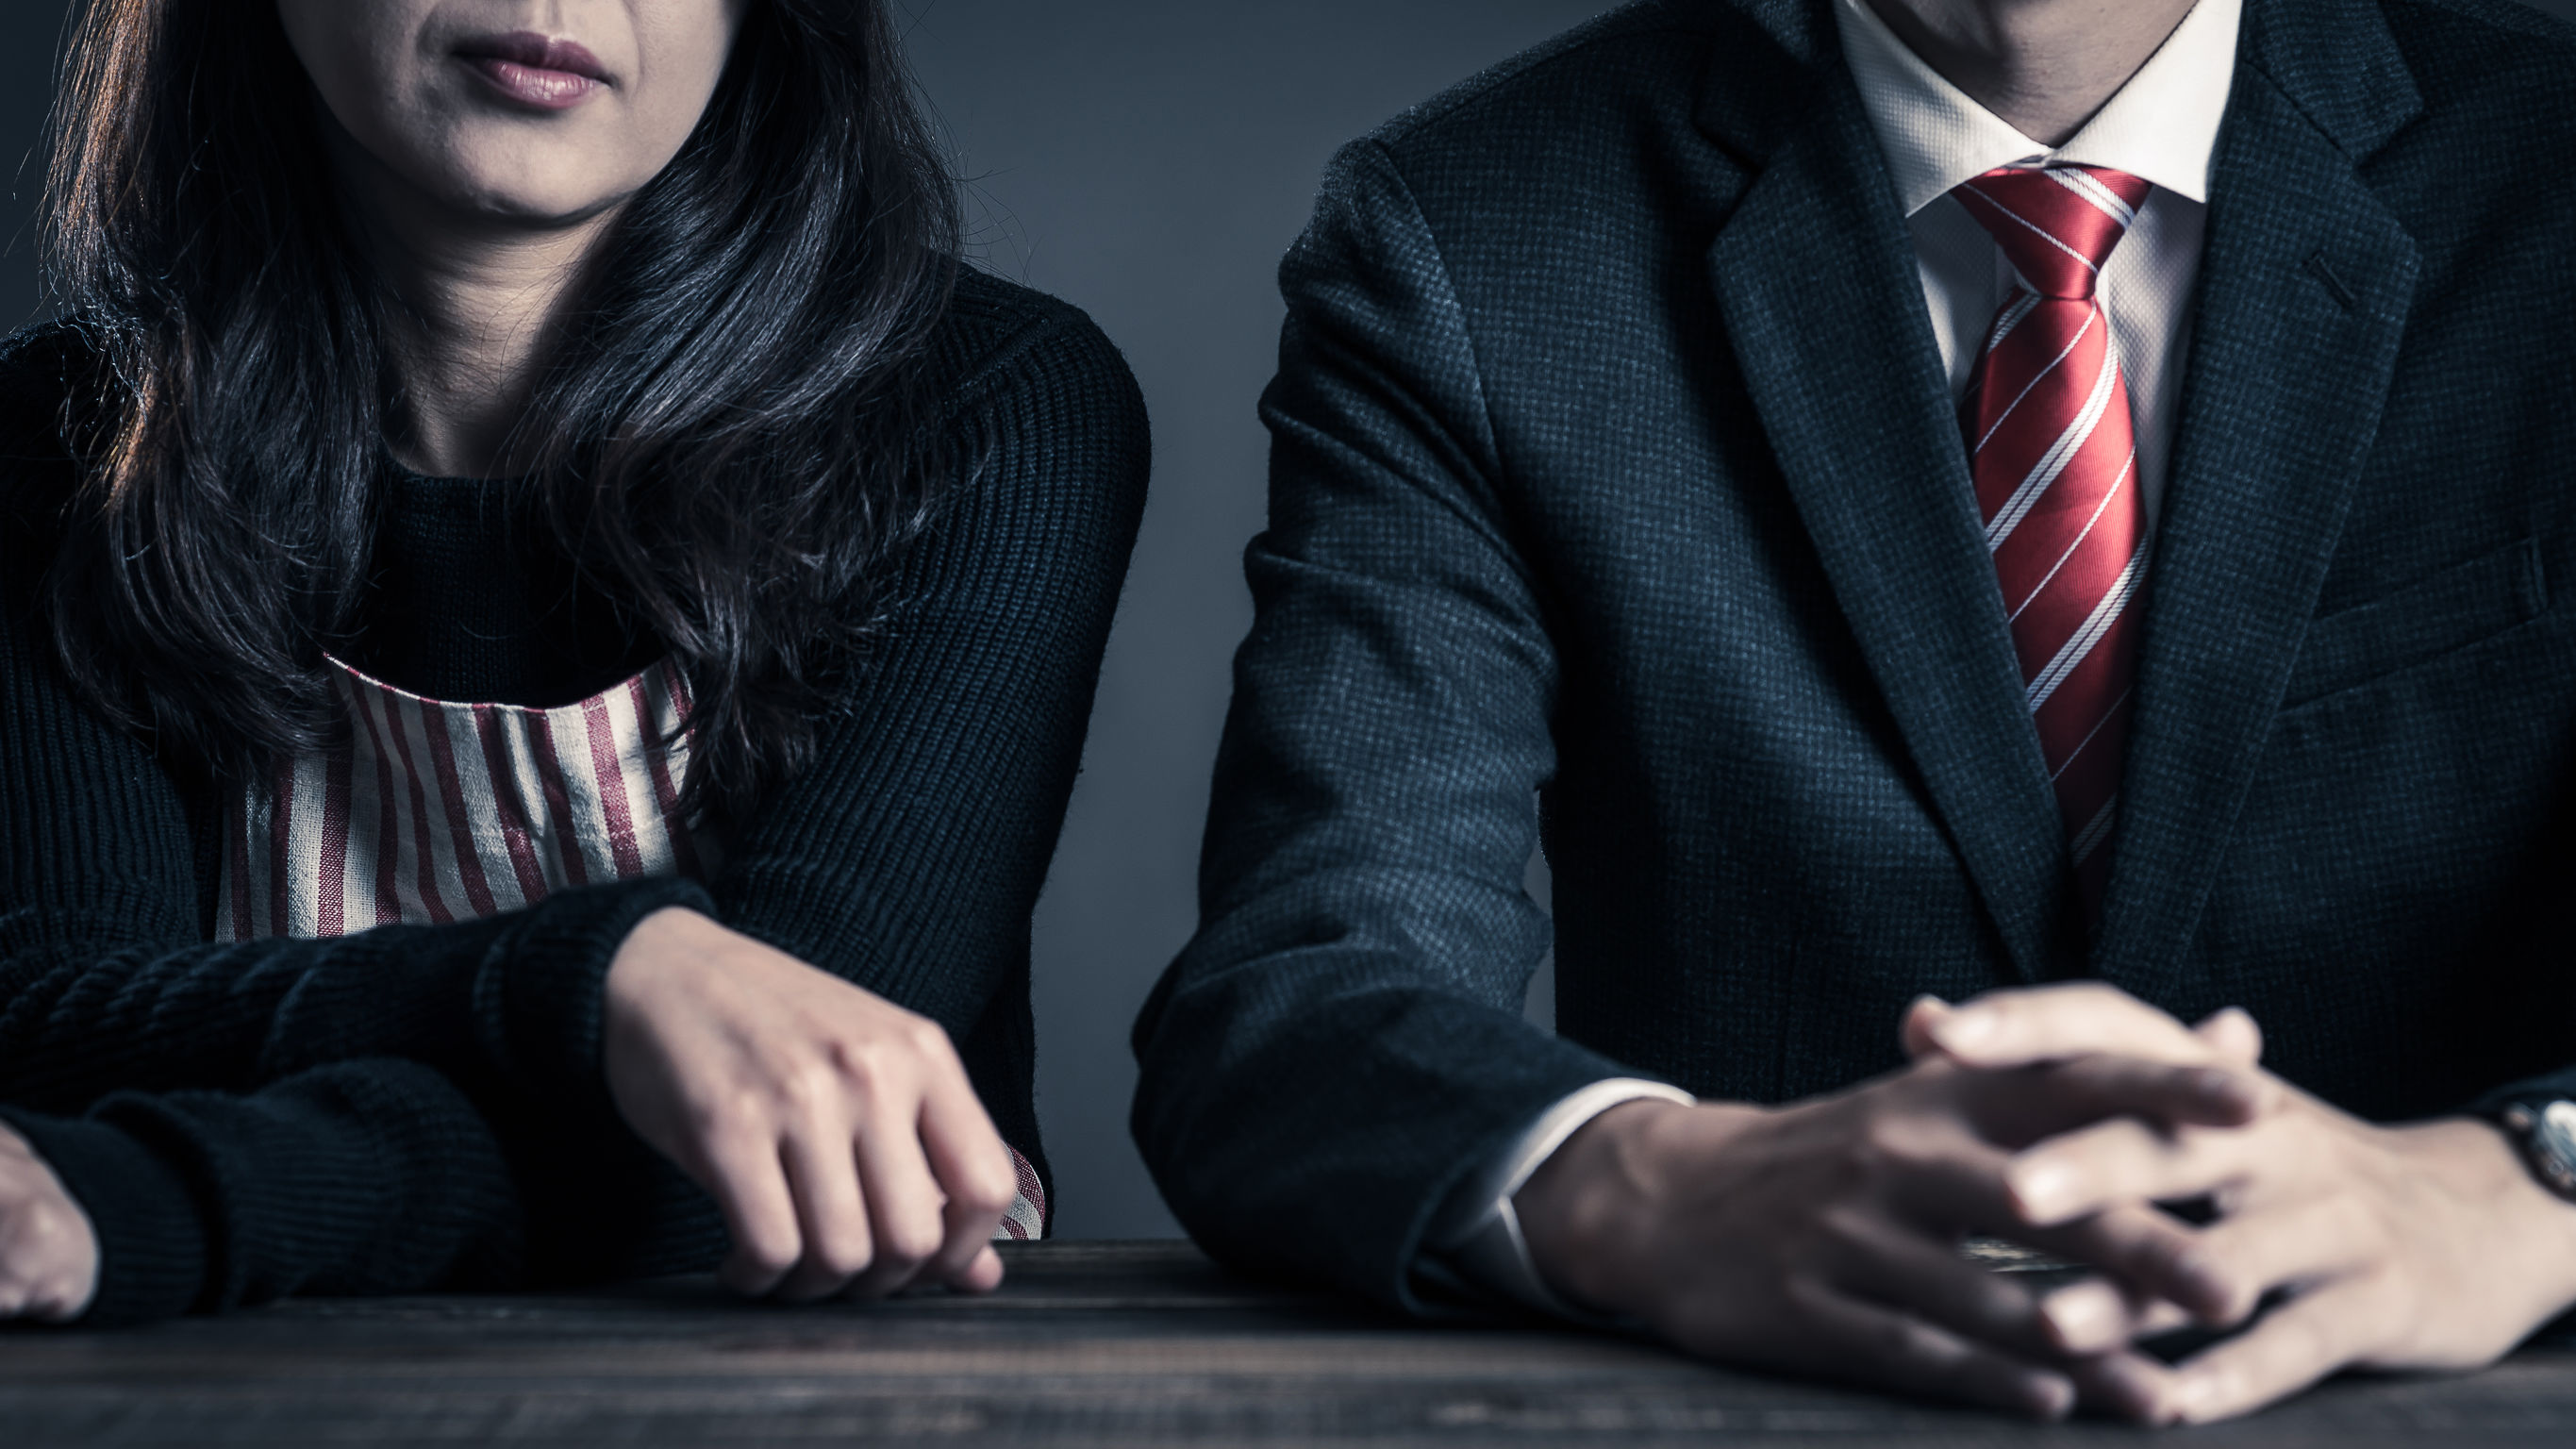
(1090,1344)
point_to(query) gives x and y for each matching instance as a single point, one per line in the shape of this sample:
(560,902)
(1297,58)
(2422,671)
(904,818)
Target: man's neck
(2044,66)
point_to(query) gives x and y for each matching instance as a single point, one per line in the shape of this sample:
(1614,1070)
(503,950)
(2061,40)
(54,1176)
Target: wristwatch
(2546,1128)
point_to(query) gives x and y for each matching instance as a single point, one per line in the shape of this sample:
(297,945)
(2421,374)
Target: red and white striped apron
(439,812)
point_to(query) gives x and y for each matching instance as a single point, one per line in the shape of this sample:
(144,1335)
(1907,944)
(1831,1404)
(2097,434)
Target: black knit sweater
(422,1107)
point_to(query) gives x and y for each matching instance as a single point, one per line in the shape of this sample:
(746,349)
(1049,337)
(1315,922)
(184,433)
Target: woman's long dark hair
(727,440)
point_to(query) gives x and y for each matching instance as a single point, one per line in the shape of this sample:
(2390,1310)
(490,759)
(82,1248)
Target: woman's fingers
(834,1209)
(791,1057)
(977,1179)
(904,1202)
(830,1211)
(744,1174)
(49,1255)
(982,1273)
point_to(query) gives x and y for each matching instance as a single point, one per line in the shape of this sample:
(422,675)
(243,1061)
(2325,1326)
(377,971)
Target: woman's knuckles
(718,1122)
(987,1193)
(835,1081)
(46,1239)
(838,1257)
(928,1040)
(982,1202)
(54,1230)
(808,1088)
(909,1242)
(774,1251)
(757,1268)
(882,1067)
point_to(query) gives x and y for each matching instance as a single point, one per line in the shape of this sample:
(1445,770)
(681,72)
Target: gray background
(1148,160)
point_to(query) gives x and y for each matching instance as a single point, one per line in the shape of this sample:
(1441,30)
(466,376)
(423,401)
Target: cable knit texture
(423,1106)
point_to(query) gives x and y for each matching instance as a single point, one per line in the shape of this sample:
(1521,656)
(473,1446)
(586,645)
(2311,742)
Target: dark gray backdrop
(1147,159)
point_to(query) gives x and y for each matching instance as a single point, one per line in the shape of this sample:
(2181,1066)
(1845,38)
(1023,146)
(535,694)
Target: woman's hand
(836,1131)
(48,1252)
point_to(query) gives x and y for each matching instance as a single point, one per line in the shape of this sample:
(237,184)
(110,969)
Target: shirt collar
(2161,127)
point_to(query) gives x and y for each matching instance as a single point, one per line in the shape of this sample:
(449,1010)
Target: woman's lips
(549,75)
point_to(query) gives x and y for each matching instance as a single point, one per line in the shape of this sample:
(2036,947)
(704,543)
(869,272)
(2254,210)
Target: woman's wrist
(540,998)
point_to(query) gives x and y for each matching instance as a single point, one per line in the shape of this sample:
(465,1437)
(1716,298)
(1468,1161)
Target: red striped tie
(2054,455)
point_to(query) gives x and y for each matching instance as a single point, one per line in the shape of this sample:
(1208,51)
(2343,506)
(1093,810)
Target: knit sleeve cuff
(152,1244)
(540,995)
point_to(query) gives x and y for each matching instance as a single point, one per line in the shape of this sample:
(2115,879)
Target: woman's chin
(522,202)
(545,211)
(468,189)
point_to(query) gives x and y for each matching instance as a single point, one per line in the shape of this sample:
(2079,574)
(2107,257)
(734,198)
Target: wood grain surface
(1089,1344)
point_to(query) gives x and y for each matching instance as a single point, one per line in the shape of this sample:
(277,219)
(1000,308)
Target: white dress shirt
(2161,127)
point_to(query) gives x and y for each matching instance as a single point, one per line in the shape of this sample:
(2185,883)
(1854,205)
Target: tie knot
(2057,225)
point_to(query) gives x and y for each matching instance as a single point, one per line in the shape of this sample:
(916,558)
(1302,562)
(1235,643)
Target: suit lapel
(1817,290)
(2305,286)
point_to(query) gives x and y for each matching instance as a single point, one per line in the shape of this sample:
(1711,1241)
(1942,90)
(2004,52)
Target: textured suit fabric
(1616,494)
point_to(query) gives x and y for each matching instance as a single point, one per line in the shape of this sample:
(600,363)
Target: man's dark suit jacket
(1617,494)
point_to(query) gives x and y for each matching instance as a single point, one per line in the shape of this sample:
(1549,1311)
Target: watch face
(2558,1127)
(2553,1141)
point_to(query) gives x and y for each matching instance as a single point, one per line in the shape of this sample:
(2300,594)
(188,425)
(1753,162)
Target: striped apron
(437,812)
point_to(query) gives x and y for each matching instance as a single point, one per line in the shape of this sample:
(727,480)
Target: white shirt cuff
(1479,1232)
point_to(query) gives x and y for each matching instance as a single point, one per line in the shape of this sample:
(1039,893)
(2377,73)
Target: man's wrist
(1479,1232)
(2533,1223)
(1588,1213)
